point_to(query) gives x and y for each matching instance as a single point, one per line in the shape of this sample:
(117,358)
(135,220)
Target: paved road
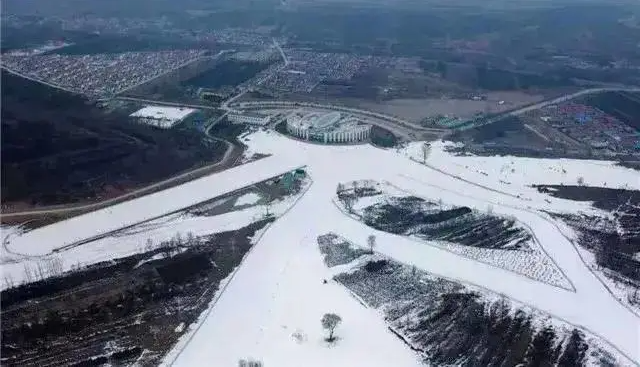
(404,123)
(164,103)
(398,126)
(284,56)
(226,104)
(542,104)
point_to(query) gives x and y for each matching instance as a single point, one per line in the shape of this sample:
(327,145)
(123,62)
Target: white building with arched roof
(331,127)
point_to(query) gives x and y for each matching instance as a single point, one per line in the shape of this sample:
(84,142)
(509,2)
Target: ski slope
(133,240)
(516,174)
(279,290)
(271,308)
(43,241)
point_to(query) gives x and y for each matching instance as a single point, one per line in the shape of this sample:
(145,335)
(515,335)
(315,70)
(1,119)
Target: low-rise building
(332,127)
(162,116)
(249,118)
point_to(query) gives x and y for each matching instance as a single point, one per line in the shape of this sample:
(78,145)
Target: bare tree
(148,246)
(27,274)
(8,281)
(581,181)
(348,202)
(191,239)
(329,322)
(426,149)
(371,242)
(267,210)
(54,266)
(634,297)
(40,271)
(489,209)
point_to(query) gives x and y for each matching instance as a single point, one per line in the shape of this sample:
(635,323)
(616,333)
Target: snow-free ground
(271,309)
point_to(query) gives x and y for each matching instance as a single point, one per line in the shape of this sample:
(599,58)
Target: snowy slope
(133,240)
(43,240)
(531,261)
(522,171)
(272,295)
(515,175)
(418,305)
(278,291)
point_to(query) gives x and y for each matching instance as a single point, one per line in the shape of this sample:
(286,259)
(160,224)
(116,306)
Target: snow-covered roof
(164,113)
(323,121)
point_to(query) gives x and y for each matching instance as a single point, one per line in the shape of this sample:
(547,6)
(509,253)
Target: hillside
(60,148)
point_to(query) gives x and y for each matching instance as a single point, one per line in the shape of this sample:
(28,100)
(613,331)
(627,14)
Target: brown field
(417,109)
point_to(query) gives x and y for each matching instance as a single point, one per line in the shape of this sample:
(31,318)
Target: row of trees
(33,272)
(51,267)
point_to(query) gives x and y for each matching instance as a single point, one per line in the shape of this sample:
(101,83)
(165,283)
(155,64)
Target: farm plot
(482,236)
(450,323)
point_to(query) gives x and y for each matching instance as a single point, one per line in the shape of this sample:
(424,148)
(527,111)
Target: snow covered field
(247,199)
(522,171)
(516,174)
(271,309)
(134,239)
(279,290)
(43,241)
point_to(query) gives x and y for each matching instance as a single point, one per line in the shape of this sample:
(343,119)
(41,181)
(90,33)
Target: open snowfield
(247,199)
(515,175)
(134,239)
(413,303)
(278,290)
